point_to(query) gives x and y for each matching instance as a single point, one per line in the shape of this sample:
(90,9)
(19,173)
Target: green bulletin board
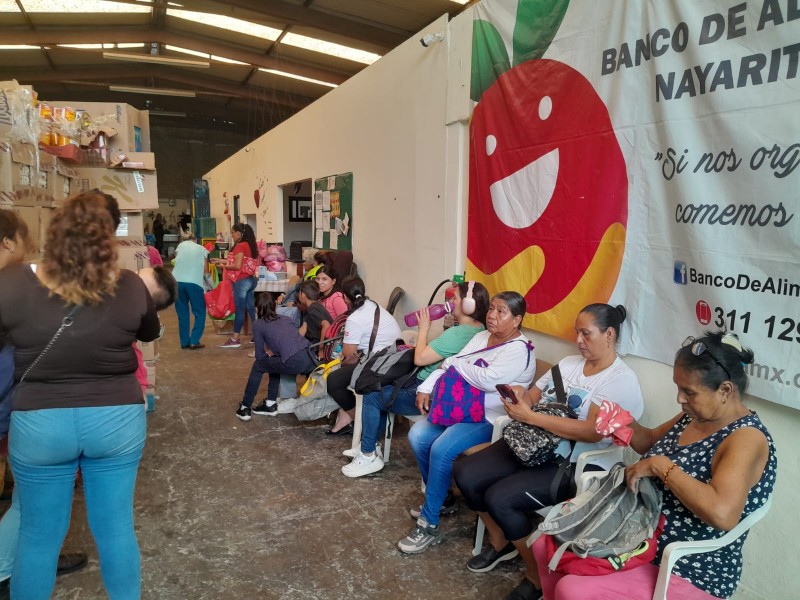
(333,212)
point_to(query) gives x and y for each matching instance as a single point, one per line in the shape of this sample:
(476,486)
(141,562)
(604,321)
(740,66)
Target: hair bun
(622,312)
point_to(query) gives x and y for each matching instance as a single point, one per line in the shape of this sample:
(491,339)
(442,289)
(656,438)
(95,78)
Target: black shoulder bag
(534,446)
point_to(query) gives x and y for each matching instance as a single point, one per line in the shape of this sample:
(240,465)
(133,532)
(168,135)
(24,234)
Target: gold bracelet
(666,475)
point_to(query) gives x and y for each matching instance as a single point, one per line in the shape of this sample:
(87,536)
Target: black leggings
(338,383)
(494,481)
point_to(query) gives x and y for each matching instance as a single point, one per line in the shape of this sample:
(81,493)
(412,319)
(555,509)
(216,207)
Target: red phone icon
(703,312)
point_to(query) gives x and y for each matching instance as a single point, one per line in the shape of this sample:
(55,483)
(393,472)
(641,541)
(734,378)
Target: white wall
(401,127)
(387,127)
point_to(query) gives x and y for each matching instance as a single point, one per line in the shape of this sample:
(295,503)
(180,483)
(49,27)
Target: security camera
(431,38)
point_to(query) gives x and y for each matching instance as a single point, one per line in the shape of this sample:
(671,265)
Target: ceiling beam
(158,14)
(76,35)
(292,14)
(166,74)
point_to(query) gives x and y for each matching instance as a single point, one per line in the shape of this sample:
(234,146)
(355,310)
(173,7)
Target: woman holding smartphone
(501,489)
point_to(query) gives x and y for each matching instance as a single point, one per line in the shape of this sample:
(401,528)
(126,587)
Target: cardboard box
(131,226)
(62,182)
(145,161)
(134,190)
(38,221)
(18,166)
(149,350)
(70,152)
(132,125)
(133,257)
(150,365)
(27,174)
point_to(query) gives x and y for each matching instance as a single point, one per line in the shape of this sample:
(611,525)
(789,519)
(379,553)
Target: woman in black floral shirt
(715,462)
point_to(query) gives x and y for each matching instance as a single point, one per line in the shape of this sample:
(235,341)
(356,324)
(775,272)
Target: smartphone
(507,393)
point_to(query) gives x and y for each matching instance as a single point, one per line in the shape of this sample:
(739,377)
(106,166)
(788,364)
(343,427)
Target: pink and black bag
(455,400)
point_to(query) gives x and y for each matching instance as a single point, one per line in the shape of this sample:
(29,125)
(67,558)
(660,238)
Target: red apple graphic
(548,196)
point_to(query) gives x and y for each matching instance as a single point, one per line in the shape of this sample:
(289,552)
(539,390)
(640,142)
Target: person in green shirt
(428,354)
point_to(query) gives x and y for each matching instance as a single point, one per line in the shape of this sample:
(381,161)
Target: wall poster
(333,212)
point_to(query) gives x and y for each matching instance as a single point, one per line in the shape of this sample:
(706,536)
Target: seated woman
(502,490)
(331,296)
(280,350)
(715,464)
(501,354)
(471,317)
(357,334)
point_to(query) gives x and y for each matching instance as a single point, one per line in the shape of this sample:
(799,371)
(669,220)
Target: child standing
(280,350)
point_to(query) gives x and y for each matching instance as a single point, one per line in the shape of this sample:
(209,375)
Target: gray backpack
(605,520)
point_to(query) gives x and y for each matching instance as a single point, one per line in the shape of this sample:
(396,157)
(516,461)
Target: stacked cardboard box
(37,175)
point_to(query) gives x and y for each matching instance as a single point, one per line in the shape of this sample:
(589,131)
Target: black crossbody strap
(564,462)
(374,333)
(65,322)
(561,395)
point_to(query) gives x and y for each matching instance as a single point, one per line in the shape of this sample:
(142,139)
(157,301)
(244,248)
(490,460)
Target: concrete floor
(230,510)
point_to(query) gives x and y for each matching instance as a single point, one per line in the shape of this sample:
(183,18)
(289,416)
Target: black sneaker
(243,412)
(489,558)
(264,409)
(449,507)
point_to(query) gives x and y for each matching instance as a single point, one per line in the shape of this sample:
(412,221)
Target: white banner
(704,101)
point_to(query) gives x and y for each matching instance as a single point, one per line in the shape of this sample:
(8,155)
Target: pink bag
(249,267)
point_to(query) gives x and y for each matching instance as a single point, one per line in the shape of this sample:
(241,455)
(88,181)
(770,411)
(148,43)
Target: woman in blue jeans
(501,354)
(471,315)
(77,402)
(244,285)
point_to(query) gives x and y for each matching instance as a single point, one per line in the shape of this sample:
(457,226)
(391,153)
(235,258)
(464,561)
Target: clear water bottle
(337,350)
(435,311)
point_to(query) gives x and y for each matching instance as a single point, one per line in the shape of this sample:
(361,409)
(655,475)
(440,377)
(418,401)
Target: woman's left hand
(423,319)
(646,467)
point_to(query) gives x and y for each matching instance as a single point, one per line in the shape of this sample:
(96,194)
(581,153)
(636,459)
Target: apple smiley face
(548,196)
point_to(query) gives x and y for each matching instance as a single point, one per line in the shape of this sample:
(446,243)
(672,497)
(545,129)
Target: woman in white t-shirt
(502,490)
(357,334)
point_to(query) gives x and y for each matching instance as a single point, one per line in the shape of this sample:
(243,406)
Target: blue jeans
(46,448)
(291,294)
(295,365)
(244,299)
(9,534)
(435,448)
(190,294)
(292,312)
(377,405)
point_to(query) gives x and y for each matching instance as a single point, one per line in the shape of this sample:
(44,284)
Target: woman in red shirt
(244,285)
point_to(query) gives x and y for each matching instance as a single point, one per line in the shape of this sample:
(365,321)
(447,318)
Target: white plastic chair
(580,465)
(677,550)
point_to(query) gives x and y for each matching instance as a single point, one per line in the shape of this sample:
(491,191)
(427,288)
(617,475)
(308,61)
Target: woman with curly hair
(77,402)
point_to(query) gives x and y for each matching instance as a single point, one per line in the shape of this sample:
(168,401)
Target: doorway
(297,213)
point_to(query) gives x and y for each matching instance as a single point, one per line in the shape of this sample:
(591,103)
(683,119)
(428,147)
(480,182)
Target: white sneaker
(286,407)
(363,465)
(351,452)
